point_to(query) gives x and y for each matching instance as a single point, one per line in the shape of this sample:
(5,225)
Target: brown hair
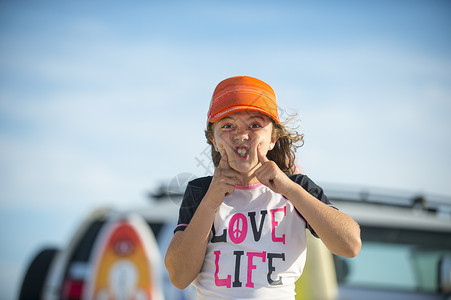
(283,153)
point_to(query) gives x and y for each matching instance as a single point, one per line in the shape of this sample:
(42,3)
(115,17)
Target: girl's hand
(223,183)
(270,174)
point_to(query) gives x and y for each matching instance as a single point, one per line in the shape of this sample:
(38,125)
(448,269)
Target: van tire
(33,282)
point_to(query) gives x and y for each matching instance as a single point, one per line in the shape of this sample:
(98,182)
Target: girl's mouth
(242,152)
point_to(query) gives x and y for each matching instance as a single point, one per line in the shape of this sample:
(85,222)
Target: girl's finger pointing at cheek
(223,163)
(261,156)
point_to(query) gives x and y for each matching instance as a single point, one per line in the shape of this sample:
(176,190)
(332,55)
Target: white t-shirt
(260,250)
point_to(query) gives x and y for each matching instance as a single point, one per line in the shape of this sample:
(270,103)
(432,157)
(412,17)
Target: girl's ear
(212,140)
(274,139)
(271,145)
(275,134)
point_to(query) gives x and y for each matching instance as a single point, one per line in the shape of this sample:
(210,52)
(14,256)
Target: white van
(406,253)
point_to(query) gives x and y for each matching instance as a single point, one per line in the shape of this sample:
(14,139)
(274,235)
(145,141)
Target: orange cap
(242,93)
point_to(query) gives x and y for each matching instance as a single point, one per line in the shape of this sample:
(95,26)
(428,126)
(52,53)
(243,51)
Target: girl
(241,232)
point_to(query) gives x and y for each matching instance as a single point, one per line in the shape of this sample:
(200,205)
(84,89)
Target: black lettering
(219,238)
(271,269)
(257,233)
(237,282)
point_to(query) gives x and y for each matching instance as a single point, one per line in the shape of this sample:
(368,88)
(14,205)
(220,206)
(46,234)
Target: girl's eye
(226,126)
(255,126)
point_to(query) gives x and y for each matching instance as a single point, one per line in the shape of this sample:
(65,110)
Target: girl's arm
(186,252)
(339,232)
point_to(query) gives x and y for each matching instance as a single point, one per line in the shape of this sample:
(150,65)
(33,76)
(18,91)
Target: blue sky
(102,102)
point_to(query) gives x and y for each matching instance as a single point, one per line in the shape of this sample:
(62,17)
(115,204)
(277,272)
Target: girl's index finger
(261,156)
(224,162)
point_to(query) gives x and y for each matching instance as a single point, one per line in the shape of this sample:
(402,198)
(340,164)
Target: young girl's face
(239,134)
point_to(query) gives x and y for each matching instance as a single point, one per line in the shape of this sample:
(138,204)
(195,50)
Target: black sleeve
(194,193)
(314,190)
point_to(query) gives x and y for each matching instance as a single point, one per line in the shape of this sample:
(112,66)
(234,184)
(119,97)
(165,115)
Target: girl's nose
(241,135)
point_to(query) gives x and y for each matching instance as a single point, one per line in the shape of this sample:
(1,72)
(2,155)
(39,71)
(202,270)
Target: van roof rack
(394,198)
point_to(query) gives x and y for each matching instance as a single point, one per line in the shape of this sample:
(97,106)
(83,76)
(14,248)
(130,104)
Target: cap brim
(238,108)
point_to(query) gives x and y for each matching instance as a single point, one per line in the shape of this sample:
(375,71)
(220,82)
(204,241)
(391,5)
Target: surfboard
(126,262)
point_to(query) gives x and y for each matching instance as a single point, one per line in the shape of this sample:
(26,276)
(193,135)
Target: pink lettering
(238,228)
(251,266)
(221,282)
(274,224)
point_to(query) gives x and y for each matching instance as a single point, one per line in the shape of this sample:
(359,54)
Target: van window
(395,259)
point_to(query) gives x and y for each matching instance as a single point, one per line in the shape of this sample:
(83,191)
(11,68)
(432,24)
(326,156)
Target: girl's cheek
(222,141)
(220,136)
(264,143)
(218,140)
